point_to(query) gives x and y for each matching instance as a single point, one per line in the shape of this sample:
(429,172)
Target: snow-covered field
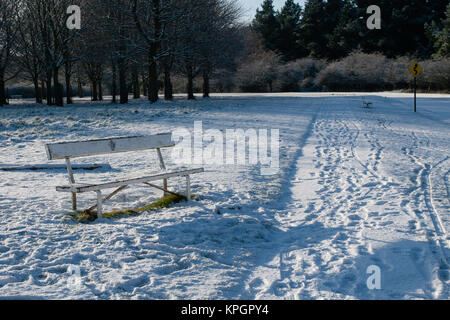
(356,188)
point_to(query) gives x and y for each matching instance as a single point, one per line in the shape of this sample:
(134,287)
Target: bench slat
(81,188)
(88,148)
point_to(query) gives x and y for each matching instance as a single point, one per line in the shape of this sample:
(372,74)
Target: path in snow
(341,184)
(357,187)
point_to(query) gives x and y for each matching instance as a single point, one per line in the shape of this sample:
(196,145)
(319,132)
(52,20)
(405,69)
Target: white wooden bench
(78,149)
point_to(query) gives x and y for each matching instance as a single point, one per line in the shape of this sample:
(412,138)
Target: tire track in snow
(326,267)
(435,231)
(371,166)
(294,273)
(424,191)
(422,195)
(340,203)
(359,184)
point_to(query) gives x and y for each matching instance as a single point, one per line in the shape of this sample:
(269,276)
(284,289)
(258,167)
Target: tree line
(143,47)
(134,42)
(333,29)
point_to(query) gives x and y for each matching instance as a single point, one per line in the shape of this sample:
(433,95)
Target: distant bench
(78,149)
(367,104)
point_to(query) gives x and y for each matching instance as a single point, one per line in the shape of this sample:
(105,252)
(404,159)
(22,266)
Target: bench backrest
(88,148)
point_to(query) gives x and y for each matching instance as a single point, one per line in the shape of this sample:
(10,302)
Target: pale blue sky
(250,7)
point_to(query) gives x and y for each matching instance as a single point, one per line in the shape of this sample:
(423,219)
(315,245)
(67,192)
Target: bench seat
(82,188)
(96,147)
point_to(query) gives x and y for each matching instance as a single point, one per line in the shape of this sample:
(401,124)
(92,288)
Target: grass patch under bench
(165,202)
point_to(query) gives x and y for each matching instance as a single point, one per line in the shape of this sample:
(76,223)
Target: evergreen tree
(327,28)
(313,29)
(289,23)
(345,37)
(332,29)
(266,24)
(402,30)
(442,43)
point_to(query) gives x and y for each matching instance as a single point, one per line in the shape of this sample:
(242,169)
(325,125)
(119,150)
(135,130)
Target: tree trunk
(58,88)
(2,91)
(206,87)
(136,88)
(153,82)
(190,85)
(68,76)
(168,87)
(37,91)
(43,89)
(100,89)
(114,83)
(123,83)
(69,93)
(144,86)
(94,91)
(49,88)
(80,89)
(153,72)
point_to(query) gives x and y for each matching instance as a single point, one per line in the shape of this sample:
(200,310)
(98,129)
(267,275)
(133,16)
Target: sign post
(415,94)
(415,70)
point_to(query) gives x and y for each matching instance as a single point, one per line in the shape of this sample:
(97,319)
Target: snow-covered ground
(356,188)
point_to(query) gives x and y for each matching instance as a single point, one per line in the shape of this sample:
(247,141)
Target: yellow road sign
(415,69)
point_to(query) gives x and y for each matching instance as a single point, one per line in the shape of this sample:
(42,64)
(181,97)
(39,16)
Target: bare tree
(221,40)
(113,19)
(9,12)
(49,17)
(94,47)
(150,17)
(29,54)
(209,37)
(125,41)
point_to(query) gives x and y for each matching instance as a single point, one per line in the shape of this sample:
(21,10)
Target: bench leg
(74,201)
(165,187)
(188,188)
(99,204)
